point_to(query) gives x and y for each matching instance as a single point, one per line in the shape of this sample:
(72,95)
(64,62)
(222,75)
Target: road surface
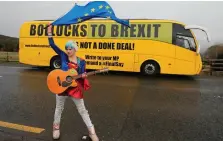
(123,107)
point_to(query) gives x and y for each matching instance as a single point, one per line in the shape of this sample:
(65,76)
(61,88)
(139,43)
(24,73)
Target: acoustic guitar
(58,80)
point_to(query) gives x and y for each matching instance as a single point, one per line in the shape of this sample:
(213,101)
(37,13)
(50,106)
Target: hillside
(9,43)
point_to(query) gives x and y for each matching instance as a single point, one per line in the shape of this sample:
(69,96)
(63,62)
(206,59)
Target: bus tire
(150,67)
(55,62)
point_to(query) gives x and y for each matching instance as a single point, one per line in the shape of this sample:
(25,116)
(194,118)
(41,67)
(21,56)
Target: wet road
(123,107)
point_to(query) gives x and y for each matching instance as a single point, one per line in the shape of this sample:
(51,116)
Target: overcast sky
(207,14)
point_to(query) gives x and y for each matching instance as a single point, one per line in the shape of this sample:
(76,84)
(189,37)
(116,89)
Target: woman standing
(70,60)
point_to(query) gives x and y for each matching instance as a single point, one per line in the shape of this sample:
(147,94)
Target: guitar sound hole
(69,79)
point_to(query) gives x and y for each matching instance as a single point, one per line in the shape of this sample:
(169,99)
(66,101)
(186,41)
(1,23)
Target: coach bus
(148,46)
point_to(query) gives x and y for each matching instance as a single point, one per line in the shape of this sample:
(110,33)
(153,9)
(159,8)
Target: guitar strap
(78,64)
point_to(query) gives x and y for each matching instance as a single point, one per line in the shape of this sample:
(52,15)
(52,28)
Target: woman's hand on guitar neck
(84,75)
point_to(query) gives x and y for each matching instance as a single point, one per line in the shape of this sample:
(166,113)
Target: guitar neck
(89,73)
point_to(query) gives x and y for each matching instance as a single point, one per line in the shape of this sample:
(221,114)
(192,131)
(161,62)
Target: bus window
(192,44)
(180,34)
(182,42)
(186,42)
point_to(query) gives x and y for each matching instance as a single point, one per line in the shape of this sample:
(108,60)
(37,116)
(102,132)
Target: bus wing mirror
(200,28)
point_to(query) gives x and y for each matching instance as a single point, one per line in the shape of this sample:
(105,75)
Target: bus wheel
(55,63)
(150,68)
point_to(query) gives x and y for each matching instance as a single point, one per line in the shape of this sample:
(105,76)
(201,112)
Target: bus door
(185,50)
(198,57)
(185,59)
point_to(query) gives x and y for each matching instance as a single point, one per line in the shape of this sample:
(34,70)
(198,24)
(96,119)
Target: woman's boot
(56,131)
(92,134)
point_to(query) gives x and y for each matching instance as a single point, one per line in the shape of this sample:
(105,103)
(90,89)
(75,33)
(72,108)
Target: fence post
(210,67)
(7,56)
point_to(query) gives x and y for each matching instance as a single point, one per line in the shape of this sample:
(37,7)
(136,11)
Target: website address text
(33,45)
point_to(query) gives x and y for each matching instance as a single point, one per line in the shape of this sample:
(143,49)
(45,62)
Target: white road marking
(0,76)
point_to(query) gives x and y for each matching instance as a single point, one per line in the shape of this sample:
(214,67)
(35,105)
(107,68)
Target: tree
(215,52)
(1,47)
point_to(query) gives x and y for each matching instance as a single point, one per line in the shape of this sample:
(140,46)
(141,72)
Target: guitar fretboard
(89,73)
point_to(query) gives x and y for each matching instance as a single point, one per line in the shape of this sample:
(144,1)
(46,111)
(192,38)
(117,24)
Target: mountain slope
(8,43)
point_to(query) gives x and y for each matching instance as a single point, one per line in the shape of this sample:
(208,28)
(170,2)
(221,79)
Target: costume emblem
(72,71)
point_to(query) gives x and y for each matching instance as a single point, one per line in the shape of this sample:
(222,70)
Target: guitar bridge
(69,79)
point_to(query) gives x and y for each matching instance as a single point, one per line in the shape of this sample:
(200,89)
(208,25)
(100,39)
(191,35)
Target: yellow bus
(148,46)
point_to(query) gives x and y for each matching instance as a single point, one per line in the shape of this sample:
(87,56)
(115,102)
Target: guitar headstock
(104,69)
(101,70)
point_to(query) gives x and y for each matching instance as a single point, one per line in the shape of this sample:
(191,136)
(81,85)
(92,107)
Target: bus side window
(182,42)
(185,42)
(183,37)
